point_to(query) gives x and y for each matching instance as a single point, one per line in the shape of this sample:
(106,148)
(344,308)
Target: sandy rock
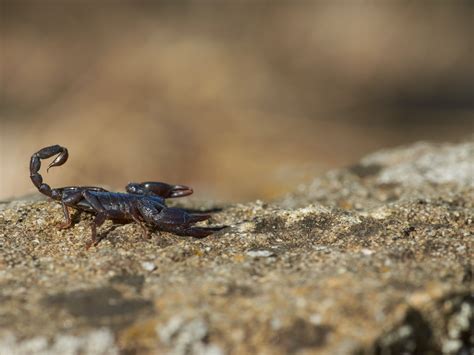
(376,258)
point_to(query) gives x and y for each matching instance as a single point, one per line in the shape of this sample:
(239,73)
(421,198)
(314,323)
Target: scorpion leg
(70,200)
(67,217)
(160,189)
(98,221)
(138,218)
(144,211)
(99,218)
(145,234)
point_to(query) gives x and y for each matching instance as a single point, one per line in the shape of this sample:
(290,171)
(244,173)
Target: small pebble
(260,253)
(148,266)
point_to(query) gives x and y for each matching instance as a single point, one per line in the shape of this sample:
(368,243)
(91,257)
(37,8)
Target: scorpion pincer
(143,203)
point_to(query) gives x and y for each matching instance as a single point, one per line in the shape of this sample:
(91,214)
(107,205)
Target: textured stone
(376,258)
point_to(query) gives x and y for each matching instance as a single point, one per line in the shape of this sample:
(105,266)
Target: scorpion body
(143,203)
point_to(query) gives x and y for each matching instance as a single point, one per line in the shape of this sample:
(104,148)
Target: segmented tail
(35,165)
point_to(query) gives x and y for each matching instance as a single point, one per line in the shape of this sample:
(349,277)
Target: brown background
(240,100)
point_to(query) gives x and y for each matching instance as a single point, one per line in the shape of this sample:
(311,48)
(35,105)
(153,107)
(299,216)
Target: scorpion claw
(198,217)
(160,189)
(198,232)
(167,191)
(180,191)
(177,221)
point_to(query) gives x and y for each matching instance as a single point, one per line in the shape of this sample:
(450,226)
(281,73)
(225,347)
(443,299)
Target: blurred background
(238,99)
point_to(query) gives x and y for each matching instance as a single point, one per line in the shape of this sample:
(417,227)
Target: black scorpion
(143,203)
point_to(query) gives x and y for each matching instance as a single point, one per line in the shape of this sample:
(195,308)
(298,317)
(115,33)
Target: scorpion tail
(35,165)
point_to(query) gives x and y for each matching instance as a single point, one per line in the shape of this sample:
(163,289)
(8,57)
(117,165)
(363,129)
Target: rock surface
(373,259)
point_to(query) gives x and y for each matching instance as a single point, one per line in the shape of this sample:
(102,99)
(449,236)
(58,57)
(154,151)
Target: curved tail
(35,165)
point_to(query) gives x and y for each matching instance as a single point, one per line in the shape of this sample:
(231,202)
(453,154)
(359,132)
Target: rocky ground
(373,259)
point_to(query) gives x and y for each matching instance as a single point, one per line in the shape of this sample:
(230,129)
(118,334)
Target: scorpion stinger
(59,160)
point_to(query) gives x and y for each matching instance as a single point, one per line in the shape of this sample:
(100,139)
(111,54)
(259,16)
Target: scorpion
(143,203)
